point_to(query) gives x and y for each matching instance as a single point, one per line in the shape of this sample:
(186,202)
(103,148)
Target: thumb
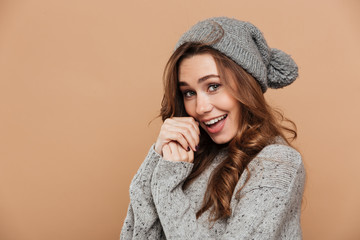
(191,156)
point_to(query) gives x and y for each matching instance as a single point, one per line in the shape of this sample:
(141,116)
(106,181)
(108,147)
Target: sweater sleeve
(173,207)
(142,221)
(268,208)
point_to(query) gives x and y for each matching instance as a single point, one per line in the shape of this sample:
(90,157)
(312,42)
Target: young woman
(221,167)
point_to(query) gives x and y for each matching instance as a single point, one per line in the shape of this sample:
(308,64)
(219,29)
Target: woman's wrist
(157,149)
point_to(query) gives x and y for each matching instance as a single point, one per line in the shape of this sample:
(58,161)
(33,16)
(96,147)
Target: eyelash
(215,87)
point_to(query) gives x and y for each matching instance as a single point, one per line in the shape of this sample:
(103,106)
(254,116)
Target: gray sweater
(269,207)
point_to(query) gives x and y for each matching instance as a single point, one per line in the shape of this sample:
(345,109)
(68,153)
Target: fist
(182,130)
(174,152)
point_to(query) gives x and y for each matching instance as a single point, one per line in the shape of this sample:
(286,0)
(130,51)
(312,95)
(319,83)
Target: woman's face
(206,98)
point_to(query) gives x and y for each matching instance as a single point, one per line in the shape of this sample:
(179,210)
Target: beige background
(80,80)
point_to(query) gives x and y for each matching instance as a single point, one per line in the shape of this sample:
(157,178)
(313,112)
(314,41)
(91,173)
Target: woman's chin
(221,139)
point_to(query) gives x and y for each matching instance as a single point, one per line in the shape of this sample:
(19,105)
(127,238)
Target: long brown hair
(259,125)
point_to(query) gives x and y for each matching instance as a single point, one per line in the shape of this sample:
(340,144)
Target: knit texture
(269,205)
(246,45)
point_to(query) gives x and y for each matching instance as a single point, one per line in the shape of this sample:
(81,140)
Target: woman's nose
(203,104)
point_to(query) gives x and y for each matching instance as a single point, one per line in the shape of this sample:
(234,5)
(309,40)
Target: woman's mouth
(215,125)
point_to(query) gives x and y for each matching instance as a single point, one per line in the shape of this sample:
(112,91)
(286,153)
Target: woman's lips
(216,127)
(214,120)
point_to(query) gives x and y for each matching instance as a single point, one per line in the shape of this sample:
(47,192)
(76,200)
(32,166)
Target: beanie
(245,44)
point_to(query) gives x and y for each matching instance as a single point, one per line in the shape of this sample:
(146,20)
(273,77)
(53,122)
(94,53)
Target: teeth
(215,120)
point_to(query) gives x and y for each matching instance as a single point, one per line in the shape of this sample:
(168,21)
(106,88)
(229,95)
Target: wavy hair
(259,125)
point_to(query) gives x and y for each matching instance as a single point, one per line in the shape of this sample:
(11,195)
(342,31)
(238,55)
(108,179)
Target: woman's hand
(183,130)
(172,151)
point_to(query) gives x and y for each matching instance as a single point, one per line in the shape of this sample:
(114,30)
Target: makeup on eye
(214,87)
(188,94)
(211,87)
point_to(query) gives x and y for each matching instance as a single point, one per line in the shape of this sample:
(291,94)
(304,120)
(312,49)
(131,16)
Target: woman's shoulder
(281,152)
(277,165)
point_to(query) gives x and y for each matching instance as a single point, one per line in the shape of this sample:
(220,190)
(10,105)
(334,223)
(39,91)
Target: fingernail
(197,147)
(188,149)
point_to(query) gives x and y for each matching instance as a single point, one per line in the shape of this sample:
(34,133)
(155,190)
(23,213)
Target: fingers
(191,120)
(188,128)
(190,156)
(166,152)
(167,136)
(184,130)
(183,135)
(172,151)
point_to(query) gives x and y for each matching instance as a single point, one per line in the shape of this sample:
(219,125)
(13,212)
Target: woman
(221,167)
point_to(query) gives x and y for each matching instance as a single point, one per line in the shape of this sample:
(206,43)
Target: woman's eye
(213,87)
(188,94)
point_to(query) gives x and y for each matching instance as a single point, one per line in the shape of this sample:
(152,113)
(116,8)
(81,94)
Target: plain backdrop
(80,81)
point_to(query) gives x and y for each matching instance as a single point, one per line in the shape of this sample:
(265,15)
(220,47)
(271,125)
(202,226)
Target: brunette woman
(222,166)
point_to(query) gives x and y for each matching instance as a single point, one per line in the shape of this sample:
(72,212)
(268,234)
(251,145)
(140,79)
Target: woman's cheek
(189,108)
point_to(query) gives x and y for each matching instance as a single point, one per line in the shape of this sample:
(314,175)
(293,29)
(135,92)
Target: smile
(215,120)
(215,125)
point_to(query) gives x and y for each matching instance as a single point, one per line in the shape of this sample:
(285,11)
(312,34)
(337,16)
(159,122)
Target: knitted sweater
(269,206)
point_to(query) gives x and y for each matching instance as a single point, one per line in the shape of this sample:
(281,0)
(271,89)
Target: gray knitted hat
(245,44)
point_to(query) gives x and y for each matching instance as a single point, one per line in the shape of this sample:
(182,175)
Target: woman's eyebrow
(204,78)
